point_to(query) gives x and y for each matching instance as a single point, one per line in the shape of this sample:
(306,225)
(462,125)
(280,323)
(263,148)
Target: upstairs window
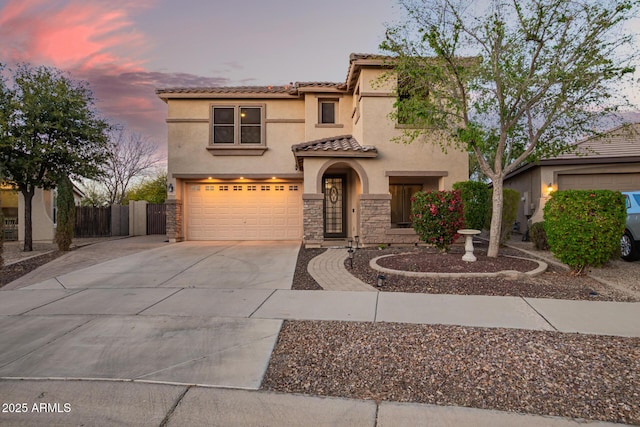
(236,124)
(327,112)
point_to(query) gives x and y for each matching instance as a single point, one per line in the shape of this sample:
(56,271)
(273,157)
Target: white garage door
(237,211)
(600,181)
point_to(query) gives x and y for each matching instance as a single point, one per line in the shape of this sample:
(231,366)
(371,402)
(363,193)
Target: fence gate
(156,219)
(92,222)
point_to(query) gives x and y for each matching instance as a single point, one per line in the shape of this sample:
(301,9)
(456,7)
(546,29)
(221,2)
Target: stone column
(375,218)
(174,220)
(313,219)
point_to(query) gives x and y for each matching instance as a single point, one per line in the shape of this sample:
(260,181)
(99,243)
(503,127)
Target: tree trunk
(28,228)
(496,218)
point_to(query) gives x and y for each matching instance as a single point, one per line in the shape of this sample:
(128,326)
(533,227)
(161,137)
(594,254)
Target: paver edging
(542,267)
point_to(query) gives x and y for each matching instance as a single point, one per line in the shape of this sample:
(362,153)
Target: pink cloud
(97,42)
(69,34)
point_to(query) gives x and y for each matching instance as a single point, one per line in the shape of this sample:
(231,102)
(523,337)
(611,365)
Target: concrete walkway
(117,403)
(181,335)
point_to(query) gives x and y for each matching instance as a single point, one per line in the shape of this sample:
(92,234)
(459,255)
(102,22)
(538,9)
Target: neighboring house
(608,162)
(43,213)
(312,161)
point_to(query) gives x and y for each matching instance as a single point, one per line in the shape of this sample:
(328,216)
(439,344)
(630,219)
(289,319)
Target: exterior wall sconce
(357,241)
(381,280)
(170,188)
(549,188)
(350,251)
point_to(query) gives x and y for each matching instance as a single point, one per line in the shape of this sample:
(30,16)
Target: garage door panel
(600,181)
(244,212)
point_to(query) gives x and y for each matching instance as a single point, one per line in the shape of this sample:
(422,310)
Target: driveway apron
(176,313)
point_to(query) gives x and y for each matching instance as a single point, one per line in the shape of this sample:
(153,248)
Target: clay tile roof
(330,85)
(356,56)
(230,89)
(343,143)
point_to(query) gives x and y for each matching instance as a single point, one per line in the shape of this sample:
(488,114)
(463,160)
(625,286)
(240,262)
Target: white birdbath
(468,244)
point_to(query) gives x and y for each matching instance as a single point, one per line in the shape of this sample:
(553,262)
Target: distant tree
(49,129)
(152,190)
(543,74)
(131,155)
(94,195)
(65,214)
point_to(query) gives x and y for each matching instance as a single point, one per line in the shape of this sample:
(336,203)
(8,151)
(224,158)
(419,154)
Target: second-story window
(327,112)
(237,124)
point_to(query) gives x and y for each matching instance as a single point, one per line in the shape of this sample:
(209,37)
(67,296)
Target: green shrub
(66,214)
(584,227)
(538,236)
(510,200)
(437,216)
(476,203)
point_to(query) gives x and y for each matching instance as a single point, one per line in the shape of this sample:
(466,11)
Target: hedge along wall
(584,227)
(476,199)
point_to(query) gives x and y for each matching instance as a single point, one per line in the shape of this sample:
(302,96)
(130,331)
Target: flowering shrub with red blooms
(437,216)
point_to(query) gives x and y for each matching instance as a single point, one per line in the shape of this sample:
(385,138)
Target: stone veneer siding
(313,220)
(174,220)
(375,222)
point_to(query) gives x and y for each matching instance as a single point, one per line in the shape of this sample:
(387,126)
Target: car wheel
(628,248)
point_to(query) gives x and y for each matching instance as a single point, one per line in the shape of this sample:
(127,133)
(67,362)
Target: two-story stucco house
(312,161)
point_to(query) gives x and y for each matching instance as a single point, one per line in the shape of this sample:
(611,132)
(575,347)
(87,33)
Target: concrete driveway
(177,313)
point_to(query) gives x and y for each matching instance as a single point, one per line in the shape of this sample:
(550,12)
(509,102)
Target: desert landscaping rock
(554,283)
(536,372)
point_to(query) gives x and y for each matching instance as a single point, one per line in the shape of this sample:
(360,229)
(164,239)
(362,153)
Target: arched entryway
(341,182)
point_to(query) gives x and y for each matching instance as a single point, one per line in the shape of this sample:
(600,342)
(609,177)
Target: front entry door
(335,208)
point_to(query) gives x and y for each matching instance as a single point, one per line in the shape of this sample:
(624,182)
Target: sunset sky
(127,49)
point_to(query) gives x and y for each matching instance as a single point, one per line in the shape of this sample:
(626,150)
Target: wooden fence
(92,222)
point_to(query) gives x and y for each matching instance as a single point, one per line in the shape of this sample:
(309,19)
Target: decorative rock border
(510,274)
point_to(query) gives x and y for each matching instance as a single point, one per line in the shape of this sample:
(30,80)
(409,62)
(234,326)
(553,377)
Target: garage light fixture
(549,188)
(170,188)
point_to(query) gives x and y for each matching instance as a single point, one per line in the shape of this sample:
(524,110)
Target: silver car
(630,242)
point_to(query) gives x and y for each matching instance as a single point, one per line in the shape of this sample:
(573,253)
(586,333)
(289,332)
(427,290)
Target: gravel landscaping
(536,372)
(18,269)
(546,373)
(556,282)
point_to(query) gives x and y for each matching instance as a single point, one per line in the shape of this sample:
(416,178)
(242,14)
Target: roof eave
(572,161)
(165,96)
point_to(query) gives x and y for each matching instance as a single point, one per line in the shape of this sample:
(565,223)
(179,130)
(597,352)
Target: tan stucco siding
(189,136)
(315,130)
(42,228)
(393,156)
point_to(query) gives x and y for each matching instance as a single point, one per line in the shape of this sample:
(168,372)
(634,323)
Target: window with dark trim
(401,203)
(328,112)
(237,124)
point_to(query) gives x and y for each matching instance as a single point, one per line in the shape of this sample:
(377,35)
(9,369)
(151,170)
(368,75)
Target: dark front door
(335,209)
